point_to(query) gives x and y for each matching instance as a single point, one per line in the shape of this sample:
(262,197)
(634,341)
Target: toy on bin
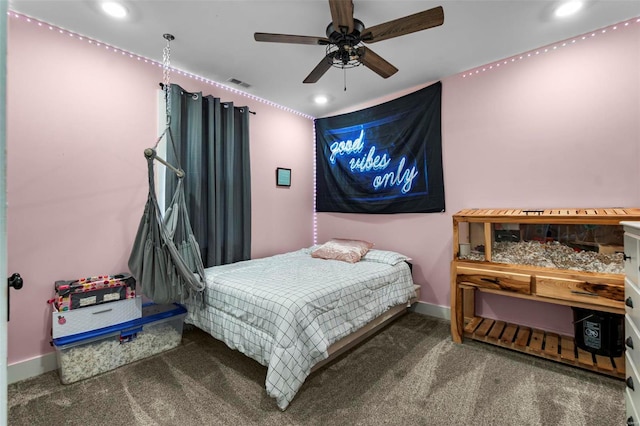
(74,294)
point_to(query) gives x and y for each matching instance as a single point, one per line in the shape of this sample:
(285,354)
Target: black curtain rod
(195,94)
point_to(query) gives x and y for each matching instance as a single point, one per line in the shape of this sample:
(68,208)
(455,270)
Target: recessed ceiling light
(568,8)
(321,99)
(114,9)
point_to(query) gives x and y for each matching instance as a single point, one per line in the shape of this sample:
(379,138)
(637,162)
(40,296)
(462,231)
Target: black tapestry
(383,159)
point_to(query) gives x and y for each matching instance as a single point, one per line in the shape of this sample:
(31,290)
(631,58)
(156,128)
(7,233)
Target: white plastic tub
(85,355)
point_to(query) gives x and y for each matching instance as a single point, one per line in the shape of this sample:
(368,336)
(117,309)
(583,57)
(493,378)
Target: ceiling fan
(346,35)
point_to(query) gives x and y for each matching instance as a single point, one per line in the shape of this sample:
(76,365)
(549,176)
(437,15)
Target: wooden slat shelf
(543,344)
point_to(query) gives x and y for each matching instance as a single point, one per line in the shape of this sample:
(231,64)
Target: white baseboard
(31,368)
(442,312)
(48,362)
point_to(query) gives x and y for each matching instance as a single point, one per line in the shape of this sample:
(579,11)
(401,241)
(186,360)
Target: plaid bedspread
(286,310)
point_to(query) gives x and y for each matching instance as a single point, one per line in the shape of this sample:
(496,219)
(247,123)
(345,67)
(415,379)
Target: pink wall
(559,129)
(78,120)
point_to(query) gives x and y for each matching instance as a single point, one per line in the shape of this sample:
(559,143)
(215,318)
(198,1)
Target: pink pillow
(341,249)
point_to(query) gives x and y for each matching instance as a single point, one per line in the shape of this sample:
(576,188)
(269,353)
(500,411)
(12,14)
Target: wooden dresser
(632,319)
(571,257)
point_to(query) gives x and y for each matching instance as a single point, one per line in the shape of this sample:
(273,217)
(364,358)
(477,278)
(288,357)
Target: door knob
(15,281)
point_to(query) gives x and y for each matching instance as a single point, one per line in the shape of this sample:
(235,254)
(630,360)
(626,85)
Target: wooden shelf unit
(588,290)
(542,344)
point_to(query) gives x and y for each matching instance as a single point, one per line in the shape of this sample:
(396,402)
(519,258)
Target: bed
(292,311)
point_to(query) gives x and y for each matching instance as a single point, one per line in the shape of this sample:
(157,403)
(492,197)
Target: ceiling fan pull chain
(344,71)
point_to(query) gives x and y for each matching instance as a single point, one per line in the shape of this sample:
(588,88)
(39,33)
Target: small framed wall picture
(283,177)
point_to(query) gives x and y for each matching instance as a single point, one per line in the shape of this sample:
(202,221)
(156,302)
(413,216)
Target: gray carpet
(408,374)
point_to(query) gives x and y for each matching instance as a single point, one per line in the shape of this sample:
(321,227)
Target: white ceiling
(214,40)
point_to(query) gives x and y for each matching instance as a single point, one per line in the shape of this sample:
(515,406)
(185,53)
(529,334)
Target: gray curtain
(211,145)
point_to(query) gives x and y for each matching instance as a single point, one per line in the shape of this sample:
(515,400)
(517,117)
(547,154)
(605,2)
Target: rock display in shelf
(552,255)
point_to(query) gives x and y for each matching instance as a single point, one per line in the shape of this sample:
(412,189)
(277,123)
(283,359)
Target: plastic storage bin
(87,354)
(77,321)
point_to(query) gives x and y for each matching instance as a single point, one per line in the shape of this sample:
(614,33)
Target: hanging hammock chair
(165,259)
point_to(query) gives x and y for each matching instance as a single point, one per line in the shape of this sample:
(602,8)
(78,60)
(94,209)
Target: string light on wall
(152,62)
(315,189)
(549,49)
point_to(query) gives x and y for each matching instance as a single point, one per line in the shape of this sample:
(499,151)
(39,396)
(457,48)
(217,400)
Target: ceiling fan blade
(320,69)
(376,63)
(342,15)
(289,38)
(407,25)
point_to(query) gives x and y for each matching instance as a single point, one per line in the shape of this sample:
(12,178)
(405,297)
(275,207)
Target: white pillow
(385,256)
